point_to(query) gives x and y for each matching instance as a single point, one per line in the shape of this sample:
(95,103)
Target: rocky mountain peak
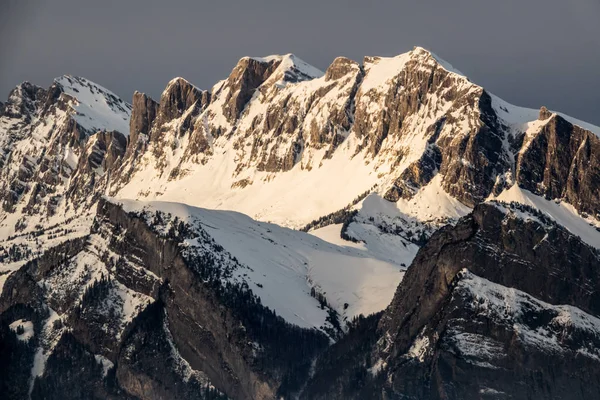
(340,67)
(544,113)
(561,160)
(143,112)
(23,100)
(179,96)
(262,73)
(95,107)
(289,67)
(246,77)
(292,69)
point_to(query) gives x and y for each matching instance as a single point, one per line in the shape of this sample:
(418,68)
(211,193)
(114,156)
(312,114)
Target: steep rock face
(24,101)
(454,118)
(102,154)
(132,292)
(561,161)
(472,164)
(245,78)
(486,244)
(28,154)
(501,305)
(305,122)
(49,150)
(179,101)
(143,113)
(490,341)
(165,261)
(178,97)
(160,126)
(399,94)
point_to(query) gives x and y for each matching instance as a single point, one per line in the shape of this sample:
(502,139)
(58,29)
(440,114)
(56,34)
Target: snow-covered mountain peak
(381,70)
(22,100)
(422,52)
(24,89)
(288,69)
(366,161)
(292,64)
(96,108)
(179,81)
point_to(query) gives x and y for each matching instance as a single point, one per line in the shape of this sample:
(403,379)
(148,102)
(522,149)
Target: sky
(530,53)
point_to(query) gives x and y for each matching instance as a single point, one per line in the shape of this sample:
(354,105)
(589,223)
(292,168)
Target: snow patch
(105,362)
(27,329)
(382,70)
(419,348)
(284,265)
(432,203)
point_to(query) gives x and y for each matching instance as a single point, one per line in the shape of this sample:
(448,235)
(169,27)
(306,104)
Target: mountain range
(385,229)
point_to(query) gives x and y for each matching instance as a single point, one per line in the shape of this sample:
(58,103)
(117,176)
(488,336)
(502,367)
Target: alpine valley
(381,230)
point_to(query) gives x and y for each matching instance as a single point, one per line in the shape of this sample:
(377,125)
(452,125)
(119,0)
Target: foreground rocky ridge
(502,305)
(127,295)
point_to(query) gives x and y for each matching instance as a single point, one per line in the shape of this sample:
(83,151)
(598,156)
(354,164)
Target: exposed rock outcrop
(498,306)
(562,161)
(143,113)
(129,295)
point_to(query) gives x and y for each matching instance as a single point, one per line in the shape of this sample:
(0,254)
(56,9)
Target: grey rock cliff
(484,311)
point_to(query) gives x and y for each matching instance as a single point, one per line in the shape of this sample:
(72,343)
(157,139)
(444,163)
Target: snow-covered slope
(55,146)
(307,148)
(284,265)
(587,228)
(96,108)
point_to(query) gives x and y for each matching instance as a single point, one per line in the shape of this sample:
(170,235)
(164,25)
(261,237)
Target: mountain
(503,304)
(386,229)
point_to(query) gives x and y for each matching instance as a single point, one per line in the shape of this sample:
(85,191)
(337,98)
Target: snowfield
(284,264)
(96,108)
(27,326)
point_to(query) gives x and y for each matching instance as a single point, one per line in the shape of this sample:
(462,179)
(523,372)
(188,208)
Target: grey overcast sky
(529,52)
